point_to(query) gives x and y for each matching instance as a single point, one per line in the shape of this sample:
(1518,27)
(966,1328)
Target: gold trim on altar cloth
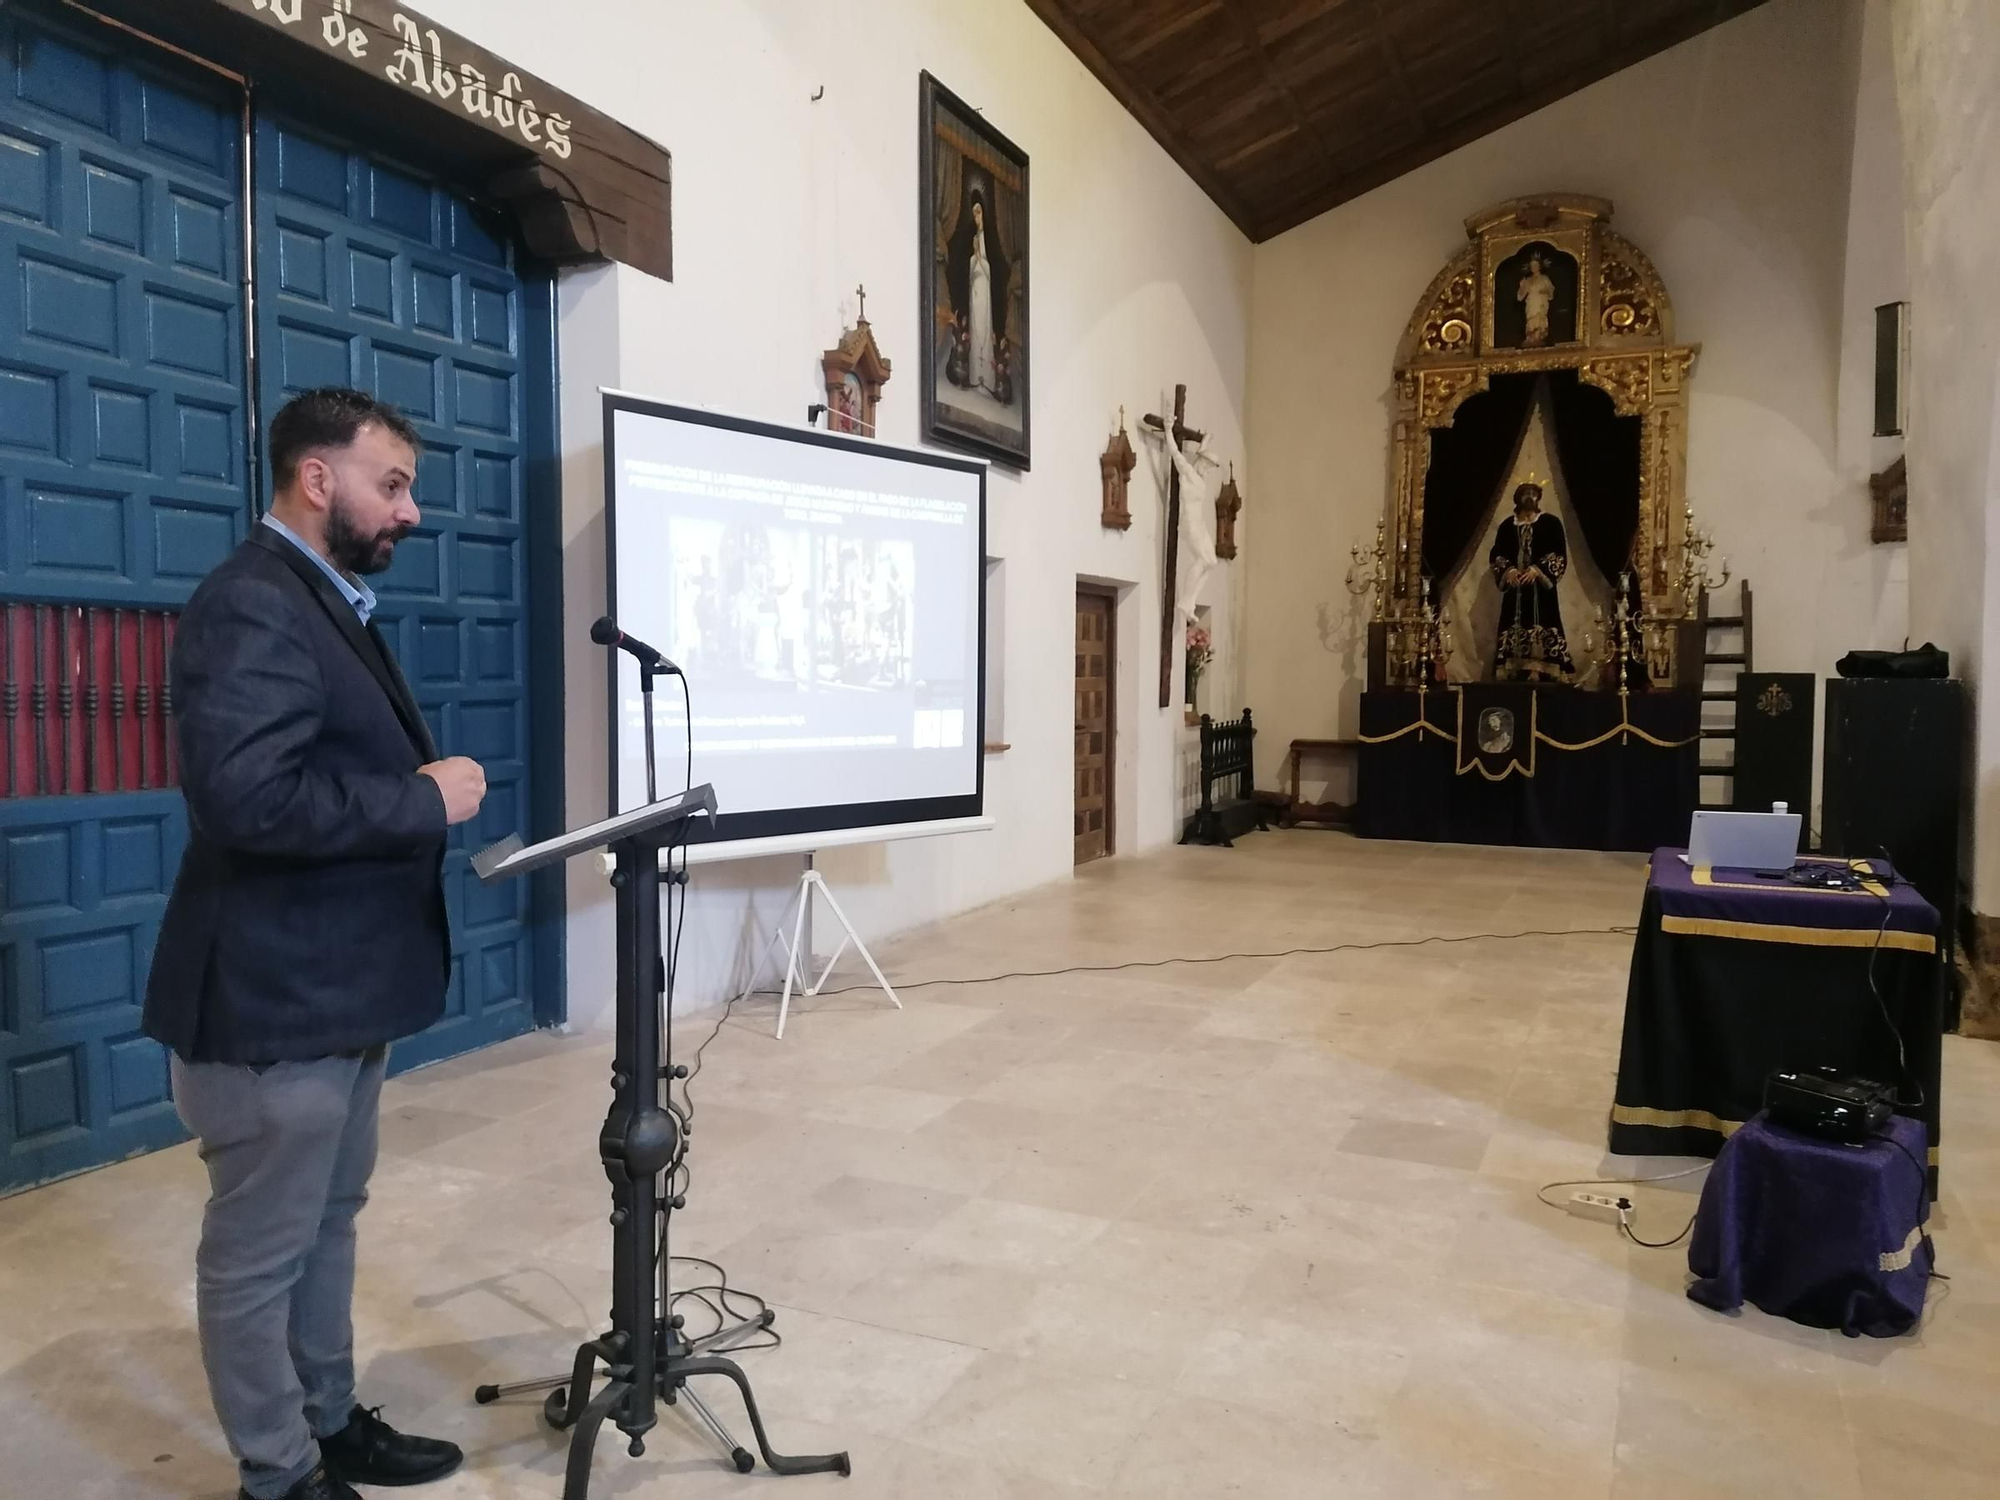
(1673,1119)
(1535,736)
(1811,937)
(1415,726)
(1623,726)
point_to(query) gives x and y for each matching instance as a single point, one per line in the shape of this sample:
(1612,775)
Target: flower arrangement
(1200,652)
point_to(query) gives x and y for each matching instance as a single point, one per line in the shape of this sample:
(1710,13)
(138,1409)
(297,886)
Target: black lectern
(646,1357)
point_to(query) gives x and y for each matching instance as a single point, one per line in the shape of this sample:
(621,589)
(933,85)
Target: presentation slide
(824,597)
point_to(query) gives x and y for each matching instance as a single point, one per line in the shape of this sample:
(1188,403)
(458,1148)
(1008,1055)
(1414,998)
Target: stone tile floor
(1262,1227)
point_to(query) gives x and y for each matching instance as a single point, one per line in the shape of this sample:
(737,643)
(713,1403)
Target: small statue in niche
(1228,505)
(855,372)
(1535,293)
(1114,467)
(1535,298)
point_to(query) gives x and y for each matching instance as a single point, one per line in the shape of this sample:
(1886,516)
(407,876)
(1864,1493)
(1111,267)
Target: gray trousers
(289,1150)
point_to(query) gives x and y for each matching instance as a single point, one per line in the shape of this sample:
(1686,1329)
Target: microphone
(606,633)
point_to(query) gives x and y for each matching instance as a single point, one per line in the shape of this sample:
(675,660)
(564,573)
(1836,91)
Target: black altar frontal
(1548,766)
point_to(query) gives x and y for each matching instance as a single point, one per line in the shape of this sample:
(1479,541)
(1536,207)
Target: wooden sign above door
(583,187)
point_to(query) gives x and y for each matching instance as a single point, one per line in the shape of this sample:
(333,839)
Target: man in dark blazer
(305,933)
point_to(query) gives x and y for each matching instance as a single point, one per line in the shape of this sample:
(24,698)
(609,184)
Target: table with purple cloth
(1823,1233)
(1736,974)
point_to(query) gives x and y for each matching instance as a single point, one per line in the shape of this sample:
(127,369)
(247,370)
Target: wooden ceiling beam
(1607,28)
(1394,164)
(1246,28)
(1185,21)
(1145,109)
(1225,86)
(1392,59)
(1510,43)
(1252,148)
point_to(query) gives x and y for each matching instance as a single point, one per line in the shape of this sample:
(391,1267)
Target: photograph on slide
(783,606)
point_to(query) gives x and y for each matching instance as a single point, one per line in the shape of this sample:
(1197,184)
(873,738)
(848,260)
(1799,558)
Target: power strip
(1599,1206)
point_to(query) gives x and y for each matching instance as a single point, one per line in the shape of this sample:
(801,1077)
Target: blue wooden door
(122,482)
(371,275)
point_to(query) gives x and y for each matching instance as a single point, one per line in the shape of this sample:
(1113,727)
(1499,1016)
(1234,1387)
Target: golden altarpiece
(1544,285)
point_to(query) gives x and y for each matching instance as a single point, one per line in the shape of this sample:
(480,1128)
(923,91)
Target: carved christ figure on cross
(1197,529)
(1182,577)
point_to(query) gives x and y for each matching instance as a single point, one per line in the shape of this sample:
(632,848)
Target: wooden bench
(1229,804)
(1329,814)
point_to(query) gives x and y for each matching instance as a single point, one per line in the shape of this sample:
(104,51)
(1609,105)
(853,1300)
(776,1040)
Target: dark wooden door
(1095,695)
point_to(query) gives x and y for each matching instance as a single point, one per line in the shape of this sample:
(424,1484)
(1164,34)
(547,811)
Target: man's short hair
(328,418)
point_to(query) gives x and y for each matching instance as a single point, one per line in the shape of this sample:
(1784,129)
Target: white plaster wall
(1728,160)
(1947,56)
(783,205)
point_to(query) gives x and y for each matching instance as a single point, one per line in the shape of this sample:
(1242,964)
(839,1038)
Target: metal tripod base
(571,1407)
(646,1359)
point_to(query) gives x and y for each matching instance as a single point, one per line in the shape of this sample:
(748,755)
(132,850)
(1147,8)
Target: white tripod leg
(859,946)
(792,972)
(777,942)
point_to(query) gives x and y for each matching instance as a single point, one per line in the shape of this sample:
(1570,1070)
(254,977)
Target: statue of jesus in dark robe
(1530,555)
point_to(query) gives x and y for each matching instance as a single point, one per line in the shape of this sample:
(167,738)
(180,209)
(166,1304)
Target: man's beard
(355,551)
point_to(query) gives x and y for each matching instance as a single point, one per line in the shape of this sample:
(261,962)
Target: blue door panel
(125,477)
(122,482)
(373,275)
(121,365)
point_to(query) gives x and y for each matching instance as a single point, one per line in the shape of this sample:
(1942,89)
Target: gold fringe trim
(1410,728)
(1811,937)
(1673,1119)
(1624,726)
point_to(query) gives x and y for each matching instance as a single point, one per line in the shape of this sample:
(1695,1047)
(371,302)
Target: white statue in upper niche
(1536,292)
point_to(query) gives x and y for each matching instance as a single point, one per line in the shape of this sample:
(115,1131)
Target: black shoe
(318,1485)
(369,1451)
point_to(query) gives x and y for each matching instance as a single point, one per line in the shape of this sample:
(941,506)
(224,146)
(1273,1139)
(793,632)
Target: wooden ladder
(1740,662)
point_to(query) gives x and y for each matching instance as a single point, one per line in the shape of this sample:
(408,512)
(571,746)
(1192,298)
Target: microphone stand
(646,672)
(646,1354)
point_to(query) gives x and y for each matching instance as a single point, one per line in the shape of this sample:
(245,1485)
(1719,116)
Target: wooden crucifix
(1178,433)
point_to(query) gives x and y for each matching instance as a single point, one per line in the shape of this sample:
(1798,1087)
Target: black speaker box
(1895,784)
(1774,740)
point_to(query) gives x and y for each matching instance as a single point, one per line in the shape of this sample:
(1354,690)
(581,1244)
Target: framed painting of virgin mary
(972,224)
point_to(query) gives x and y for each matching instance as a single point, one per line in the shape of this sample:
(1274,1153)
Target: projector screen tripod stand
(798,949)
(646,1355)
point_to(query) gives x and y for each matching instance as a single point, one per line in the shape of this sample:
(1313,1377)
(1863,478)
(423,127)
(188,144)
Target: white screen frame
(790,825)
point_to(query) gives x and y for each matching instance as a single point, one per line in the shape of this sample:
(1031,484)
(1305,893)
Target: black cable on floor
(1212,958)
(681,1175)
(1625,1228)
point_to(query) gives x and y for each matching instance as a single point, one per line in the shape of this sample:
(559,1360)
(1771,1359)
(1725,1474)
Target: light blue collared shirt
(357,594)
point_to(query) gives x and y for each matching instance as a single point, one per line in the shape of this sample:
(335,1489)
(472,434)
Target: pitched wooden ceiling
(1282,109)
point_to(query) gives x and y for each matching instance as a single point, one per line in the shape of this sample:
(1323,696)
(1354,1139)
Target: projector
(1828,1103)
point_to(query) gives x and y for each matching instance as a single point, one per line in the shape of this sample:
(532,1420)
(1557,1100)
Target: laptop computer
(1744,840)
